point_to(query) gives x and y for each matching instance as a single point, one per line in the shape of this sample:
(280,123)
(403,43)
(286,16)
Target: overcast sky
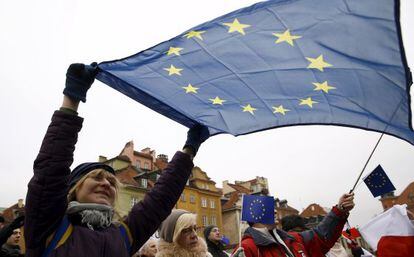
(39,39)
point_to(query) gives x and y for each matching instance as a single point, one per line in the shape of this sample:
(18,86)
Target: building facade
(406,197)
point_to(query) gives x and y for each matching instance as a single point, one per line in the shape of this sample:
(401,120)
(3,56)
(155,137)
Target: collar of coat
(261,239)
(166,249)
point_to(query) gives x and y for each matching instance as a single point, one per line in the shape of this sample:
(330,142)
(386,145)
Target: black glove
(79,79)
(17,222)
(195,136)
(7,231)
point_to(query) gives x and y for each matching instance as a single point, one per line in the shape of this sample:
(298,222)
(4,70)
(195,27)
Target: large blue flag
(258,209)
(378,182)
(278,63)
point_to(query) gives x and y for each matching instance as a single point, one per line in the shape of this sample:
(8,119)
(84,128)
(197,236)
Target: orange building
(313,214)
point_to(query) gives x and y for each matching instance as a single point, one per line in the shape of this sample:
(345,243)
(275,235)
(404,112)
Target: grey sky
(40,39)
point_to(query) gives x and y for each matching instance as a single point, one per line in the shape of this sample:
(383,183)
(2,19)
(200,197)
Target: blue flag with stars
(258,209)
(278,63)
(378,182)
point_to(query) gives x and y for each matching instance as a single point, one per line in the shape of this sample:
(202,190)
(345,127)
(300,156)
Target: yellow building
(202,197)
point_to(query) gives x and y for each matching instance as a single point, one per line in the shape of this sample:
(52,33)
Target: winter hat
(207,231)
(293,221)
(168,225)
(84,168)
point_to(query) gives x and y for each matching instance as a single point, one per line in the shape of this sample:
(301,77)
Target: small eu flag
(378,182)
(258,209)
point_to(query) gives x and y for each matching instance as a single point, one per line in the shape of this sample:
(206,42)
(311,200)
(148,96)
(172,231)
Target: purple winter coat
(46,200)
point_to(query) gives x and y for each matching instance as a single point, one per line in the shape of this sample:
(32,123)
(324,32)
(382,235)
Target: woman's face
(97,188)
(188,238)
(214,234)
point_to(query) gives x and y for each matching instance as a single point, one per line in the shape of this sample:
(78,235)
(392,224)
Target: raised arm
(324,236)
(47,190)
(146,216)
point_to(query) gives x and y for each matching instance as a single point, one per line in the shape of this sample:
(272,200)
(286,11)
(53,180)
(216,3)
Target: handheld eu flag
(258,209)
(378,182)
(278,63)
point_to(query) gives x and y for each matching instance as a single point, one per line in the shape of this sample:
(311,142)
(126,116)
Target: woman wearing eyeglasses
(179,236)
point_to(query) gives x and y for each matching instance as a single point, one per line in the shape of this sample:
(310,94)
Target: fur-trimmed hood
(166,249)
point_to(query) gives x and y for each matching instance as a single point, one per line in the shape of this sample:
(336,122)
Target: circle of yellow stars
(318,63)
(257,204)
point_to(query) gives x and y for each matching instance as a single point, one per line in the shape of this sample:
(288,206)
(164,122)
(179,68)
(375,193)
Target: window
(192,199)
(182,197)
(212,204)
(146,166)
(158,176)
(213,221)
(138,165)
(205,221)
(202,186)
(144,182)
(203,202)
(134,201)
(207,187)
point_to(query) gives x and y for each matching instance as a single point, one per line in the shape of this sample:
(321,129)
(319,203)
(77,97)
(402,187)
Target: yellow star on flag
(195,33)
(323,86)
(249,108)
(285,37)
(173,70)
(236,26)
(190,89)
(174,50)
(280,109)
(318,63)
(217,100)
(308,101)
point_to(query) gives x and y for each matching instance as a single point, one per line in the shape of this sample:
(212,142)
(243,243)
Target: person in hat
(178,236)
(72,213)
(213,240)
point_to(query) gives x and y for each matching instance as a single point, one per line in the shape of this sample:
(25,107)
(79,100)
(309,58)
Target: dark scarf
(216,249)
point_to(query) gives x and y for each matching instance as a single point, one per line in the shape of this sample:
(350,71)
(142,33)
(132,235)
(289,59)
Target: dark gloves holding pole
(79,78)
(7,231)
(195,136)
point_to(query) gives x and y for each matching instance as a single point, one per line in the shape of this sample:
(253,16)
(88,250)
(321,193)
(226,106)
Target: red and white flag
(390,233)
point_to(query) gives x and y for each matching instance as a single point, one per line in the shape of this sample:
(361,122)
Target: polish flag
(391,233)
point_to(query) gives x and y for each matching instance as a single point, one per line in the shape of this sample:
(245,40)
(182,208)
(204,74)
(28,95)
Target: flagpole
(366,163)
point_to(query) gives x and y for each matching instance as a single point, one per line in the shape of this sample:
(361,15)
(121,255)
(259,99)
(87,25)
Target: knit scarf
(94,216)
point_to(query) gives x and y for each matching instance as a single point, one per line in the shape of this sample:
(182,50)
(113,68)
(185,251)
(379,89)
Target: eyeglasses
(189,230)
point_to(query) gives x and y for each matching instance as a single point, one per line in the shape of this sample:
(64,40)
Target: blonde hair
(93,174)
(184,221)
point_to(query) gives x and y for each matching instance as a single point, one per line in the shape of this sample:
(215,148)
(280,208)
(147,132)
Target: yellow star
(318,63)
(285,37)
(174,50)
(323,86)
(217,100)
(308,101)
(194,33)
(190,89)
(249,108)
(173,70)
(236,26)
(280,109)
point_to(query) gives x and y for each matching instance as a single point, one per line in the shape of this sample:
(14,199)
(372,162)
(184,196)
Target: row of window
(213,220)
(203,201)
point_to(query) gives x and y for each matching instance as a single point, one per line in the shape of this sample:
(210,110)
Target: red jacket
(310,243)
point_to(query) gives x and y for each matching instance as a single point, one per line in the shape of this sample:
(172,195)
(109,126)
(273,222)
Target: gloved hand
(238,253)
(79,78)
(195,136)
(17,222)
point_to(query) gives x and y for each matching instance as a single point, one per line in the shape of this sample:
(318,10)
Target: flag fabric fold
(258,209)
(278,63)
(378,182)
(391,226)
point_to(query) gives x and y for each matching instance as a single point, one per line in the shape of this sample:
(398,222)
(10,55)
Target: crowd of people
(72,213)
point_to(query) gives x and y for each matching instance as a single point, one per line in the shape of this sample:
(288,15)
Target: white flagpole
(240,221)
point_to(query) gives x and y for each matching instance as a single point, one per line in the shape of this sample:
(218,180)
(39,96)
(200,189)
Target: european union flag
(378,182)
(278,63)
(258,209)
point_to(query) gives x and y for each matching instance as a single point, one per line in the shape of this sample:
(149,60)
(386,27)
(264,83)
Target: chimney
(20,203)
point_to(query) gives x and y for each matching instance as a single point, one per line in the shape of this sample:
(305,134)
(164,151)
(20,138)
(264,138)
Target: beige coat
(166,249)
